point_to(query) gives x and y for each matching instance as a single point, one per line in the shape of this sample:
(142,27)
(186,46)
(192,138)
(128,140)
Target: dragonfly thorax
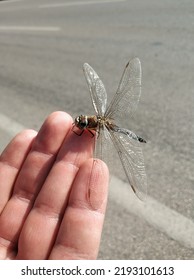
(94,122)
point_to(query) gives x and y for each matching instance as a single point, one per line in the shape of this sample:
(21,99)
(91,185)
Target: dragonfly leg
(92,133)
(79,134)
(82,131)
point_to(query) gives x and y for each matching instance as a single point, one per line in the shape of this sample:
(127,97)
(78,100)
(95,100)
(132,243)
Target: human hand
(52,194)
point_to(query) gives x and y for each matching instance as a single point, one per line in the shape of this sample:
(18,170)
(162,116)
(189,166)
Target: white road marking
(158,215)
(10,1)
(30,28)
(56,5)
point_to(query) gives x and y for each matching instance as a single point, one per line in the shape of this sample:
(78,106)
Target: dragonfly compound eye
(81,122)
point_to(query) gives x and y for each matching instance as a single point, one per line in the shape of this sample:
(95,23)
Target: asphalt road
(43,45)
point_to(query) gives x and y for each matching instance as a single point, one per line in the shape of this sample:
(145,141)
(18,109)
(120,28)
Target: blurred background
(43,45)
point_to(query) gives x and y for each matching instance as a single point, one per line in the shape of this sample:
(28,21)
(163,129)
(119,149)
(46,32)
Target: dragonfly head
(81,122)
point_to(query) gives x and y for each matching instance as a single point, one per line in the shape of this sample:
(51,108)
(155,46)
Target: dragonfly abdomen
(128,133)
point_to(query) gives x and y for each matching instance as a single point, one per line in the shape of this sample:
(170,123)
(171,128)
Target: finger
(51,202)
(81,228)
(33,173)
(11,161)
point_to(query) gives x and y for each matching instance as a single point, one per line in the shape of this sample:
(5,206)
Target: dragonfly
(105,124)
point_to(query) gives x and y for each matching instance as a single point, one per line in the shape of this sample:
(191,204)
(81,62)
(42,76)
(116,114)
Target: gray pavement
(43,45)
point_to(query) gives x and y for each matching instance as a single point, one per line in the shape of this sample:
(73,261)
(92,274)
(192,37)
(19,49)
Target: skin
(53,194)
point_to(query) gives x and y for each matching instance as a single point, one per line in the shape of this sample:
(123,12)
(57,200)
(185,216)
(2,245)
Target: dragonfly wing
(131,156)
(103,144)
(105,150)
(127,96)
(97,89)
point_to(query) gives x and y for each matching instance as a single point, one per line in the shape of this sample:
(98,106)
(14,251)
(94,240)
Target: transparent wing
(131,156)
(103,145)
(127,96)
(97,90)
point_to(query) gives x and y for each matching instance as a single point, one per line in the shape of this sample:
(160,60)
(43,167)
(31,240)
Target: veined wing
(127,96)
(97,90)
(103,144)
(131,156)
